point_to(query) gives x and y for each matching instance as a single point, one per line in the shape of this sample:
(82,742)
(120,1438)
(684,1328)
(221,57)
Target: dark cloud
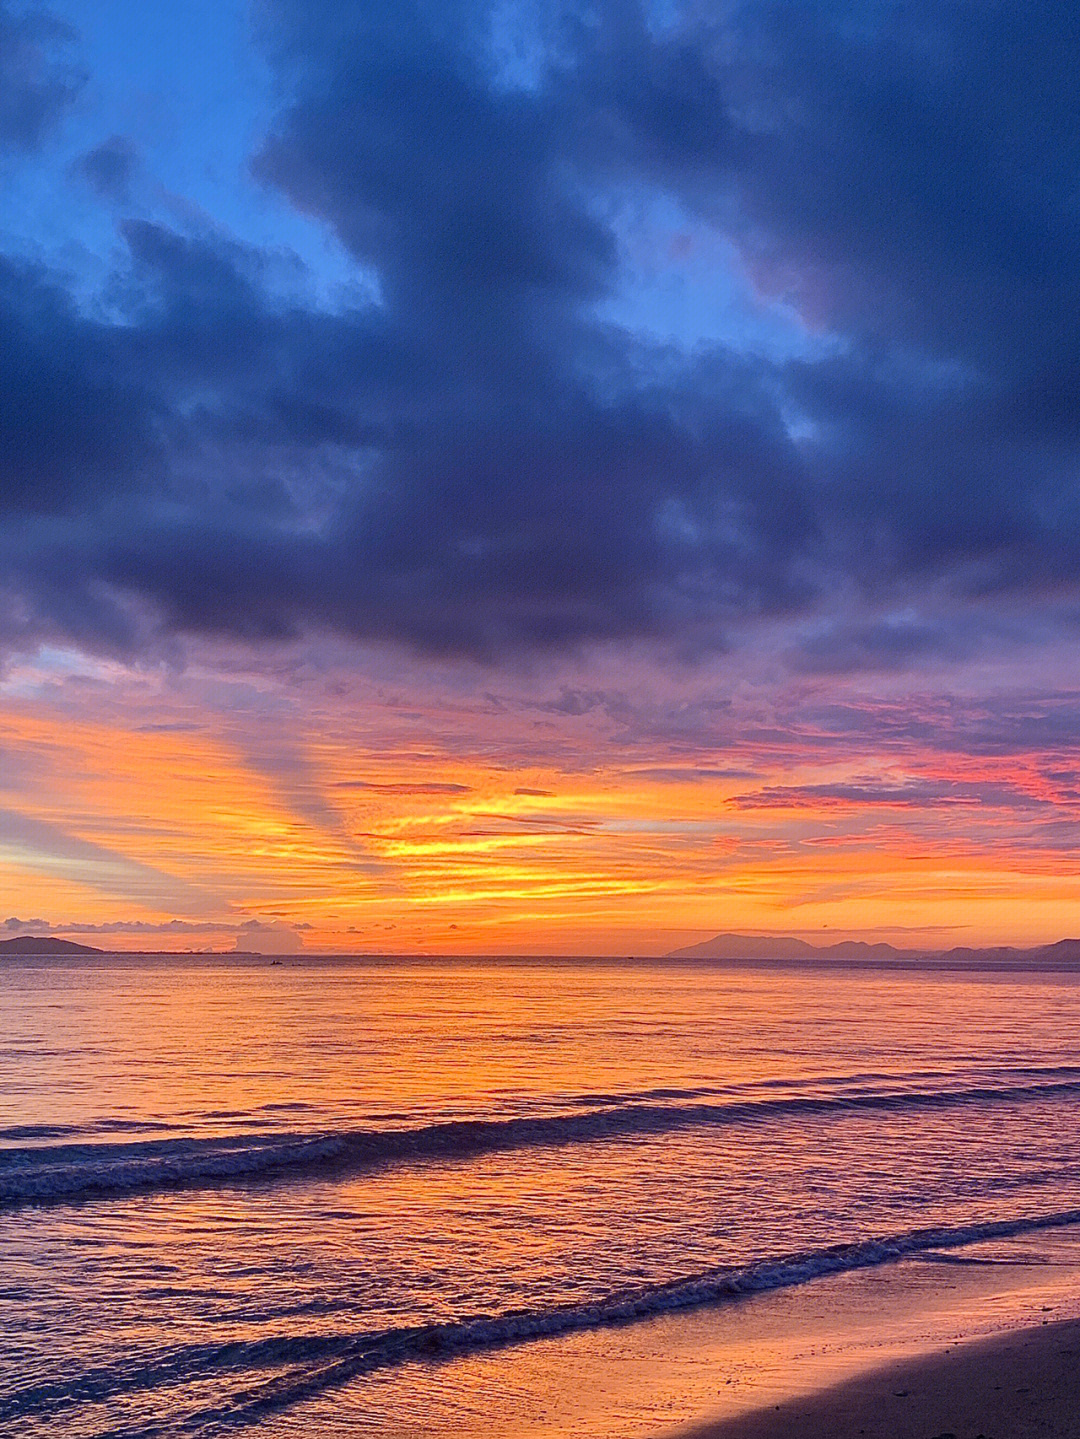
(109,168)
(910,182)
(1032,724)
(1061,835)
(37,82)
(887,644)
(909,794)
(169,727)
(691,774)
(77,423)
(403,787)
(911,168)
(396,126)
(472,463)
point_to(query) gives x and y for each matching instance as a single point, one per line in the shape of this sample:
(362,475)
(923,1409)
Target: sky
(538,477)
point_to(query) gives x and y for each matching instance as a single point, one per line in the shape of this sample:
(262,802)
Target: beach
(1023,1385)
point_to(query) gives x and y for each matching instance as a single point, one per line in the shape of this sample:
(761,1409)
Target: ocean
(287,1198)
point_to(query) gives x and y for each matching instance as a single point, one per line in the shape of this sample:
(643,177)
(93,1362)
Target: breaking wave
(66,1172)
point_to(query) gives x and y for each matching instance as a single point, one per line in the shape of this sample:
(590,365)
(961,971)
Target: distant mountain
(757,946)
(1064,954)
(1064,951)
(859,949)
(745,946)
(42,944)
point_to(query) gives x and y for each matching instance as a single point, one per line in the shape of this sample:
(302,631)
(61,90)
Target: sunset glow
(171,810)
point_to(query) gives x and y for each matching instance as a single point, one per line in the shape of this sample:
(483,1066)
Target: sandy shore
(1024,1385)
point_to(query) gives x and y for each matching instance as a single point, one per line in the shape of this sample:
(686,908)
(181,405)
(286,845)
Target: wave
(305,1365)
(65,1172)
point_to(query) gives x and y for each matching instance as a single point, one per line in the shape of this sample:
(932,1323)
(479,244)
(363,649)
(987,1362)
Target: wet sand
(1023,1385)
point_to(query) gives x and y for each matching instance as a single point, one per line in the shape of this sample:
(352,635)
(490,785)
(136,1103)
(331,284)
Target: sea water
(230,1188)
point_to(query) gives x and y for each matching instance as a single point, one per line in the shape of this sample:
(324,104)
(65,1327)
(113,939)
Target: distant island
(1065,952)
(42,944)
(757,946)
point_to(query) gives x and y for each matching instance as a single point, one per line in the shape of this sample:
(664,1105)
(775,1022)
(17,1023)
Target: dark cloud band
(473,463)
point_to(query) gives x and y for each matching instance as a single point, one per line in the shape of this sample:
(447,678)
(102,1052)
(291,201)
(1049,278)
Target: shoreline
(774,1361)
(1022,1384)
